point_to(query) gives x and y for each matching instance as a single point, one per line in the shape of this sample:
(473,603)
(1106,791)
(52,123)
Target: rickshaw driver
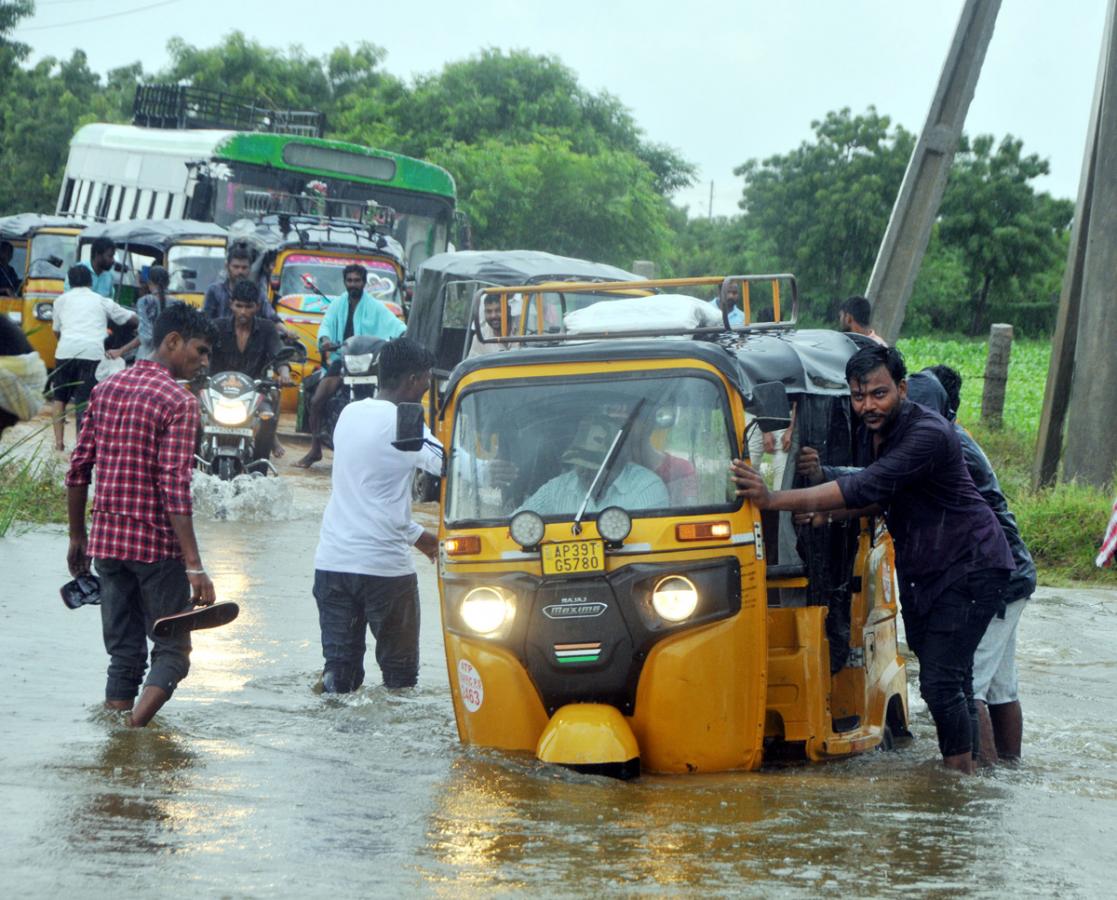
(951,554)
(361,314)
(630,486)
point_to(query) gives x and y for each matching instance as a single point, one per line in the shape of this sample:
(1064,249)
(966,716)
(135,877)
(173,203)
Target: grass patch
(31,487)
(1062,526)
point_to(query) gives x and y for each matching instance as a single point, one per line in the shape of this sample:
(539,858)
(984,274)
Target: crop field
(1027,376)
(1062,526)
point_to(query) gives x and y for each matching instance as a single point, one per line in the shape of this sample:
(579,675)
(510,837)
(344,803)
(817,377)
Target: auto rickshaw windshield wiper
(607,464)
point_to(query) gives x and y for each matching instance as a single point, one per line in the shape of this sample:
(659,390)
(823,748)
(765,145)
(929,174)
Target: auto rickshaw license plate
(573,557)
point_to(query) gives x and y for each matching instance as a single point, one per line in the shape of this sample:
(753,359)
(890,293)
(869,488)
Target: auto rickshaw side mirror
(409,427)
(770,407)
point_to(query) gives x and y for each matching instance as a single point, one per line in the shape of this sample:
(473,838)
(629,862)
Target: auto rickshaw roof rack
(648,288)
(285,230)
(184,106)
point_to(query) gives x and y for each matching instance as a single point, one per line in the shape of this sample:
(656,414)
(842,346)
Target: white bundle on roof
(659,312)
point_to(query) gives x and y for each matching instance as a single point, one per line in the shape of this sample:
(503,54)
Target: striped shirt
(633,488)
(139,433)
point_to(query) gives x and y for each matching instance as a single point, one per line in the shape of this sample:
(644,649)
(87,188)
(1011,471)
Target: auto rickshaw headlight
(675,598)
(44,312)
(527,528)
(487,609)
(614,524)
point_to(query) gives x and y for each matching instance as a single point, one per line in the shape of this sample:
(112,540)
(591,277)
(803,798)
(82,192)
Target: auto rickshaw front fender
(590,737)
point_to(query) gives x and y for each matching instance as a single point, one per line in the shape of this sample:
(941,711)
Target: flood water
(249,784)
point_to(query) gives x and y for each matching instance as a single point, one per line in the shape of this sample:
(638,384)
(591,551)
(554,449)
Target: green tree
(825,205)
(1006,233)
(545,195)
(518,96)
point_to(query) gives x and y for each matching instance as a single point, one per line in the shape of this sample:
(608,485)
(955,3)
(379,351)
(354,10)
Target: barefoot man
(139,435)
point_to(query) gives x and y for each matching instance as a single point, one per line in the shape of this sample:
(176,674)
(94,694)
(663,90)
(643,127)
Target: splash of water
(247,498)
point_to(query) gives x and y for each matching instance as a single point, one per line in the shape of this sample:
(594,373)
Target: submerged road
(250,784)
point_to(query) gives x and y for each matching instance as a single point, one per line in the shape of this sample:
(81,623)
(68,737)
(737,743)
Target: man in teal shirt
(102,256)
(356,313)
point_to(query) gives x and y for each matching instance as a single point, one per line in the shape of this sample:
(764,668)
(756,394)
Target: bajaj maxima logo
(575,608)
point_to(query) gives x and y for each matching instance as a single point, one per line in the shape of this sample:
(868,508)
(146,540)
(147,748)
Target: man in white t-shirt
(80,319)
(364,567)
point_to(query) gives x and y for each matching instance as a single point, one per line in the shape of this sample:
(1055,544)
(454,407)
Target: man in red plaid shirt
(139,433)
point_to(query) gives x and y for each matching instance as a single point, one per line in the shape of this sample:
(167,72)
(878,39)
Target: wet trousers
(389,606)
(133,596)
(944,639)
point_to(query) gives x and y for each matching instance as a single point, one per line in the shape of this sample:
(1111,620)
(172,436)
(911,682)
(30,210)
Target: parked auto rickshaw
(307,256)
(192,252)
(50,245)
(439,317)
(608,602)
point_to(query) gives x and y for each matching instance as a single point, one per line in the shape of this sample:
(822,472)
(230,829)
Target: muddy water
(250,784)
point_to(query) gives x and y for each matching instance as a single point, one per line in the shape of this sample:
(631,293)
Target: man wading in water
(139,434)
(952,558)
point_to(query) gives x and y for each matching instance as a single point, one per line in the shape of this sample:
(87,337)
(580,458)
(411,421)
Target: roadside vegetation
(31,489)
(1063,525)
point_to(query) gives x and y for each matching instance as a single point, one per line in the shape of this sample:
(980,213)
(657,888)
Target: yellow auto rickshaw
(193,253)
(307,258)
(50,245)
(608,602)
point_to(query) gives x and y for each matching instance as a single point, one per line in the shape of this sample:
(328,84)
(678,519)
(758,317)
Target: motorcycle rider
(248,343)
(357,313)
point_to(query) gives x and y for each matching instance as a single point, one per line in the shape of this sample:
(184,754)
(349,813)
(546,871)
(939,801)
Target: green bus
(174,163)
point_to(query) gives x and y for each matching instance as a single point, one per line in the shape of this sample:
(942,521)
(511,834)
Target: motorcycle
(360,357)
(235,410)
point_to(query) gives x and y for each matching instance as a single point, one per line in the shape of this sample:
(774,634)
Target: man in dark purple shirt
(952,558)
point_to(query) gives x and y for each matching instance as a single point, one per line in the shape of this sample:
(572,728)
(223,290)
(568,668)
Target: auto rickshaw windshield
(538,446)
(47,249)
(326,273)
(194,267)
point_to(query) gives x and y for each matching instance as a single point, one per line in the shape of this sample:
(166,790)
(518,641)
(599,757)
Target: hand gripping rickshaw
(608,602)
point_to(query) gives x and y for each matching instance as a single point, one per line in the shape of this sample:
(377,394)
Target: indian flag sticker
(470,686)
(568,654)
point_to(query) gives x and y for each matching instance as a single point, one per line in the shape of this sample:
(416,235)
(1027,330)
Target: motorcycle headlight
(675,598)
(487,609)
(358,364)
(230,412)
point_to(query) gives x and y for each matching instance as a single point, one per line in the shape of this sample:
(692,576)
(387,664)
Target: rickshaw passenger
(490,328)
(630,486)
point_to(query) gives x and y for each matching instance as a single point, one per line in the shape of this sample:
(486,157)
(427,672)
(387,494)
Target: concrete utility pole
(1082,378)
(909,228)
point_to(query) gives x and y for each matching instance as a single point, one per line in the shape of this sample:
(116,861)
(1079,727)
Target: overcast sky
(722,81)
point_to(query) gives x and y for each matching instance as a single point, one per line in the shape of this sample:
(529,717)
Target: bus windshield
(538,446)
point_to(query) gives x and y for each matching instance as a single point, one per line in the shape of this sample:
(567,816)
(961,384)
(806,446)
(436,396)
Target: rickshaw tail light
(703,531)
(468,545)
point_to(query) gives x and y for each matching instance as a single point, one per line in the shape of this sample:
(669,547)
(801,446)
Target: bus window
(105,205)
(119,204)
(136,192)
(67,196)
(151,205)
